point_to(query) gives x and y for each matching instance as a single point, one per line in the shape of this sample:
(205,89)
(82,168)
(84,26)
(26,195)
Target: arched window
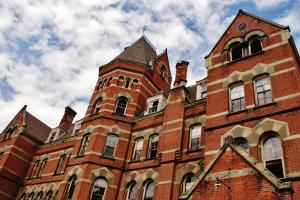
(99,188)
(195,137)
(99,86)
(30,196)
(49,195)
(120,81)
(104,83)
(131,190)
(109,81)
(121,105)
(187,183)
(98,105)
(39,196)
(110,146)
(149,190)
(127,82)
(138,148)
(34,169)
(237,98)
(153,144)
(60,164)
(70,187)
(42,167)
(255,45)
(236,51)
(23,196)
(272,155)
(242,142)
(163,71)
(84,144)
(134,84)
(263,90)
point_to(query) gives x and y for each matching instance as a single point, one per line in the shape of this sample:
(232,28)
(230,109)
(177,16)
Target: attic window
(153,106)
(9,133)
(242,26)
(236,52)
(52,137)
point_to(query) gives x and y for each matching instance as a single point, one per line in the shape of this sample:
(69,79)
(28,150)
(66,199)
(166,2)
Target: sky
(50,50)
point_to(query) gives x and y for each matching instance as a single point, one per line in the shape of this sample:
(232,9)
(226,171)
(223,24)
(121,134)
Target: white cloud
(50,51)
(268,4)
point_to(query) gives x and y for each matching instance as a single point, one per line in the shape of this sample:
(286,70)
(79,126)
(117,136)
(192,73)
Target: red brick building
(234,135)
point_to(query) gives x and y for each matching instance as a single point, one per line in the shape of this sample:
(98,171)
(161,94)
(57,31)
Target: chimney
(181,73)
(67,119)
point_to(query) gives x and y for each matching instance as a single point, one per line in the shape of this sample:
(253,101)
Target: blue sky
(50,50)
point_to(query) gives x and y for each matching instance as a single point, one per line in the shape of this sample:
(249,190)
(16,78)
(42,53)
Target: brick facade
(140,135)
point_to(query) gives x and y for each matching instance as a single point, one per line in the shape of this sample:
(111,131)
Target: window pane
(132,192)
(139,144)
(272,149)
(149,190)
(112,140)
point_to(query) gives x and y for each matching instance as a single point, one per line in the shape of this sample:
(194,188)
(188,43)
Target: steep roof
(251,161)
(140,51)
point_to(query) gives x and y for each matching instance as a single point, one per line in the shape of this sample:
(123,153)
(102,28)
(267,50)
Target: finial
(144,29)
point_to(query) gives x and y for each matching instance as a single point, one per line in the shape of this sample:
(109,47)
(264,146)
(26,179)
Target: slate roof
(140,51)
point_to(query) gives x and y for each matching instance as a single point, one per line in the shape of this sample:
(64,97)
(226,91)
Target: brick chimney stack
(67,119)
(181,74)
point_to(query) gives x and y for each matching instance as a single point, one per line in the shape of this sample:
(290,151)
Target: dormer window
(255,45)
(52,136)
(201,91)
(236,52)
(153,106)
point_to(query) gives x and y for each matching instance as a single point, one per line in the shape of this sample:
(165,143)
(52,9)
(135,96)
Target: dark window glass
(49,195)
(34,168)
(60,164)
(42,167)
(132,191)
(153,106)
(149,191)
(121,106)
(255,46)
(99,189)
(127,83)
(39,196)
(236,52)
(242,142)
(70,187)
(195,135)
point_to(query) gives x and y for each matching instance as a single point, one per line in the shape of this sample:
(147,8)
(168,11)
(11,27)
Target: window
(149,190)
(99,86)
(121,105)
(30,196)
(52,136)
(49,195)
(84,144)
(99,188)
(242,142)
(60,164)
(39,196)
(187,183)
(131,191)
(138,148)
(134,84)
(273,156)
(42,167)
(23,196)
(109,81)
(36,163)
(255,45)
(98,105)
(153,106)
(120,81)
(70,187)
(195,137)
(127,82)
(263,90)
(204,92)
(110,146)
(163,71)
(237,98)
(153,144)
(104,83)
(236,52)
(9,133)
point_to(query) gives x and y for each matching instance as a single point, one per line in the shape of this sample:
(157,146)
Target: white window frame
(105,187)
(231,100)
(195,127)
(108,145)
(137,148)
(251,40)
(259,78)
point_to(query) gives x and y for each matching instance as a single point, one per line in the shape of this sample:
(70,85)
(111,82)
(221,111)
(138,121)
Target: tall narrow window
(132,191)
(110,146)
(52,136)
(30,196)
(255,45)
(163,71)
(109,81)
(273,156)
(99,188)
(195,137)
(99,86)
(49,195)
(121,105)
(70,187)
(120,81)
(187,183)
(127,82)
(153,106)
(138,148)
(104,83)
(36,163)
(98,105)
(23,196)
(236,52)
(237,98)
(149,190)
(39,196)
(60,164)
(9,133)
(263,90)
(42,167)
(153,144)
(134,84)
(84,144)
